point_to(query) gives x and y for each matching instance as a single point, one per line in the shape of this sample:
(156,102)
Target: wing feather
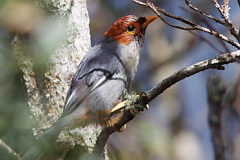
(94,71)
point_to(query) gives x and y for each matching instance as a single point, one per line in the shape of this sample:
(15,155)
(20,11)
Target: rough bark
(46,97)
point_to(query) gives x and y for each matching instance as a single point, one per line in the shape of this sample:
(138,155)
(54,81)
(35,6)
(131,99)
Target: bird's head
(129,28)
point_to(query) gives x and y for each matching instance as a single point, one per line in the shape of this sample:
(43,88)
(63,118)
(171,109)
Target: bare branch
(215,63)
(186,21)
(9,150)
(156,9)
(214,33)
(224,12)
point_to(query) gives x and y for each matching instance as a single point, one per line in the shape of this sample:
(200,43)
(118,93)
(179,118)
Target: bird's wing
(91,75)
(83,87)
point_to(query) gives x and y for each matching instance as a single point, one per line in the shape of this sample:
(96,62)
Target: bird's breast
(129,55)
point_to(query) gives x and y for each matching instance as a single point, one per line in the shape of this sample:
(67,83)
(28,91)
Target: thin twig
(223,43)
(214,33)
(195,15)
(195,26)
(207,41)
(9,149)
(174,26)
(202,13)
(150,5)
(224,12)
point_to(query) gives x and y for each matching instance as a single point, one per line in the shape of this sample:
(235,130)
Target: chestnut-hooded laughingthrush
(103,77)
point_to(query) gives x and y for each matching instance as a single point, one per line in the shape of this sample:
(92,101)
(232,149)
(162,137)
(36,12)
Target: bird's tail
(45,142)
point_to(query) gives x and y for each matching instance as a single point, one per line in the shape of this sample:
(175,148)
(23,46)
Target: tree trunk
(46,95)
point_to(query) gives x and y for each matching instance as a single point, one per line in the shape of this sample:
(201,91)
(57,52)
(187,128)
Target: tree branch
(9,150)
(25,63)
(224,12)
(158,11)
(215,63)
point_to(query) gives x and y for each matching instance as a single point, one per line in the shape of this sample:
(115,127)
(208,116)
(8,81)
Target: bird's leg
(117,107)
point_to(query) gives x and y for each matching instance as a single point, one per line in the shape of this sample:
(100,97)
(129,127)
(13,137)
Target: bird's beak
(149,20)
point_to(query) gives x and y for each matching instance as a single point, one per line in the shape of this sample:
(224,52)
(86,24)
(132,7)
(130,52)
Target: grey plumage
(103,76)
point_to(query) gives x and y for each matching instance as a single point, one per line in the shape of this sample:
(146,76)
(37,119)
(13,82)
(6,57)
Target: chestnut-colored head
(129,28)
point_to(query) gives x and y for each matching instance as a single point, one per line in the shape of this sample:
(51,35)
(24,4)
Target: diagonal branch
(9,150)
(215,63)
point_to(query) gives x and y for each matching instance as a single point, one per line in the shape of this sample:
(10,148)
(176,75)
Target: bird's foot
(135,103)
(120,129)
(119,106)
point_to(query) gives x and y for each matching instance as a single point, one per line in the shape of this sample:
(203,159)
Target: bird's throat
(130,57)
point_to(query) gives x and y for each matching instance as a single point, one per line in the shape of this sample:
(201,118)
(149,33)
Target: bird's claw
(119,106)
(120,129)
(147,106)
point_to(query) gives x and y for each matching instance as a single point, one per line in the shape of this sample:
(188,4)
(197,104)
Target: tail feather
(45,142)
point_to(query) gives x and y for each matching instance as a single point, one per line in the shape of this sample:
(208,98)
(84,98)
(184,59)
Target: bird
(103,77)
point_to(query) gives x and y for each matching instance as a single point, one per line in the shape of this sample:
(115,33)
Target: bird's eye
(130,28)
